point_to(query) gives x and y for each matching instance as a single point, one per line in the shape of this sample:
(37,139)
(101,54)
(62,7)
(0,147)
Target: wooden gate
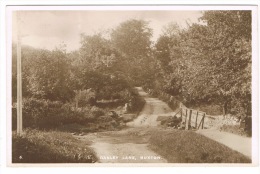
(193,119)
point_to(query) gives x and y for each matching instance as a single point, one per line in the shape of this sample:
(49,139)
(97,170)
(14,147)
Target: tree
(96,52)
(133,40)
(209,62)
(50,76)
(169,59)
(97,66)
(230,51)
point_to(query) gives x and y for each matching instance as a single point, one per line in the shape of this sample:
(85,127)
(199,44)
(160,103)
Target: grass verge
(235,129)
(179,146)
(49,147)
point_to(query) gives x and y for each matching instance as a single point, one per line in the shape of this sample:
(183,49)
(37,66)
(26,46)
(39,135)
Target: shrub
(124,95)
(96,112)
(85,97)
(107,123)
(45,114)
(105,119)
(49,115)
(72,115)
(236,129)
(39,113)
(136,104)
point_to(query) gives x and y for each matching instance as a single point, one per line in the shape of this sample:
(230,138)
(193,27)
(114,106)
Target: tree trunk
(225,105)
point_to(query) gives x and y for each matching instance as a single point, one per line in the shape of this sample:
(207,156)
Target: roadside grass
(235,129)
(35,146)
(180,146)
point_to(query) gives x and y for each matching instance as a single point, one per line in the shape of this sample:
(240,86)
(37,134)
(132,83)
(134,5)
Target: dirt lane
(126,146)
(131,145)
(152,109)
(125,153)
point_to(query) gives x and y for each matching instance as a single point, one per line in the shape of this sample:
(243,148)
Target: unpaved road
(126,146)
(235,142)
(130,145)
(152,109)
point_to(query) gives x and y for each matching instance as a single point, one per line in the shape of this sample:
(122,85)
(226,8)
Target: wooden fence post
(181,114)
(196,119)
(189,124)
(186,120)
(202,126)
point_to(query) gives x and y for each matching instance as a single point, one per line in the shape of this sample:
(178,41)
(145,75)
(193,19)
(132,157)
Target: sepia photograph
(116,85)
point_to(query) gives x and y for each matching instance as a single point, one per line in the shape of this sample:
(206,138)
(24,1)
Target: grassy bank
(189,147)
(49,147)
(235,129)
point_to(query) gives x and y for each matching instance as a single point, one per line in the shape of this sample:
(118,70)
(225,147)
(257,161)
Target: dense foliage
(79,87)
(206,63)
(132,39)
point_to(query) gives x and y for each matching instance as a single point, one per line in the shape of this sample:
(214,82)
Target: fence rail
(193,119)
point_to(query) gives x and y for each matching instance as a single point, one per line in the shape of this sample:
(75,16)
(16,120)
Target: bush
(39,113)
(105,119)
(236,129)
(136,104)
(50,147)
(124,95)
(85,97)
(49,115)
(96,112)
(72,115)
(107,123)
(45,114)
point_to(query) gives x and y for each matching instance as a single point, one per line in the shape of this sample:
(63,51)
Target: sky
(49,29)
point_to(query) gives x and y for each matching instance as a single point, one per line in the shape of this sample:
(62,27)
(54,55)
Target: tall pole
(19,78)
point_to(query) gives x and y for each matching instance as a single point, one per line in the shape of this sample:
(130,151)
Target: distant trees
(104,64)
(169,60)
(132,39)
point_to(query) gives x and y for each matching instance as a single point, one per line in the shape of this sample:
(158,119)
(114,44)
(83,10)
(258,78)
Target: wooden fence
(194,119)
